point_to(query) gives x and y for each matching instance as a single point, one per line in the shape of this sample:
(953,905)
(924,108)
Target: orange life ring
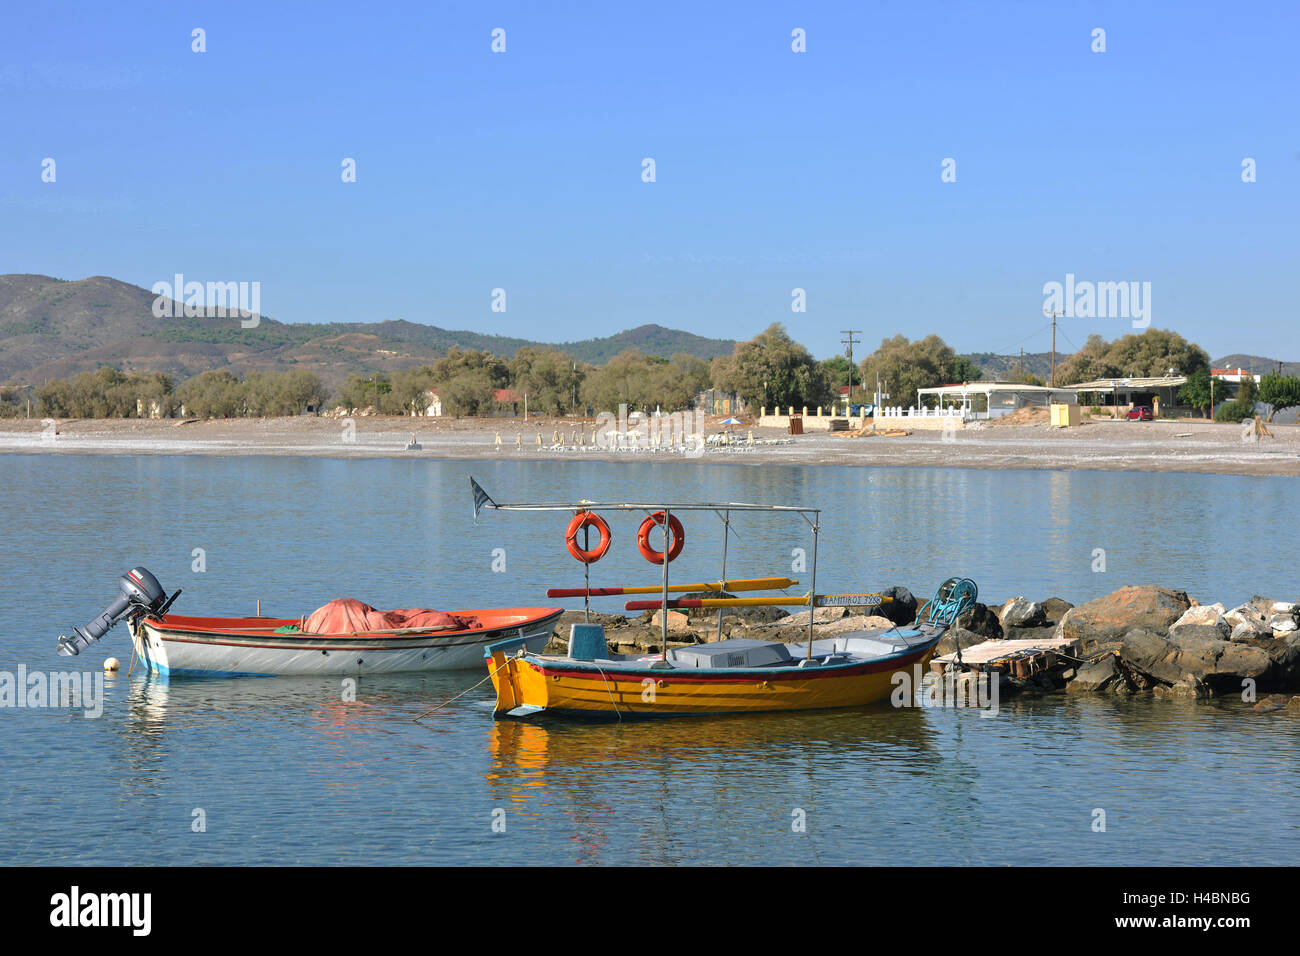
(677,538)
(586,519)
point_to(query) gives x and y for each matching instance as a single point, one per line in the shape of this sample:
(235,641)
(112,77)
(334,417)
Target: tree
(550,379)
(1197,392)
(903,366)
(1280,392)
(214,394)
(1150,353)
(772,369)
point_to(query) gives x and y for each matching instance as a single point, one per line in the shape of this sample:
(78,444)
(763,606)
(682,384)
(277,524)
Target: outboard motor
(141,594)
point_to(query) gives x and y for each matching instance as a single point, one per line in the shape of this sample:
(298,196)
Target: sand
(1164,446)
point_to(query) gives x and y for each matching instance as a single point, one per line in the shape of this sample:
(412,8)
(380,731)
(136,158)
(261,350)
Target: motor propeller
(141,594)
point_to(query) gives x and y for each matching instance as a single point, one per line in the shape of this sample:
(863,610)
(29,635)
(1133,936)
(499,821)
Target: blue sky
(775,170)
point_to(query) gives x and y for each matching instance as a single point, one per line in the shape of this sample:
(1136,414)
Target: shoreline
(1164,447)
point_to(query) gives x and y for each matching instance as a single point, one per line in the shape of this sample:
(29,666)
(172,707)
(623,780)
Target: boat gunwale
(584,670)
(166,631)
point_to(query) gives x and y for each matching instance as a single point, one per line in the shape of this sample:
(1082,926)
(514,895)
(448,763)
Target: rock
(1197,654)
(677,621)
(1282,624)
(821,615)
(1189,689)
(948,643)
(1284,607)
(1021,613)
(1250,630)
(1095,677)
(902,609)
(980,620)
(1204,615)
(1055,608)
(1273,702)
(1193,632)
(1141,607)
(1294,704)
(1245,614)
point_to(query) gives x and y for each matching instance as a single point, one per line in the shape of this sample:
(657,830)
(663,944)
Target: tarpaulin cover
(349,616)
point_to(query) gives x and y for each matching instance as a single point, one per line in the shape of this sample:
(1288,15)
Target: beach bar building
(1156,392)
(974,400)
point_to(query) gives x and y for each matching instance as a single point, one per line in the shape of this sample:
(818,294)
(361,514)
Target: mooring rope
(491,674)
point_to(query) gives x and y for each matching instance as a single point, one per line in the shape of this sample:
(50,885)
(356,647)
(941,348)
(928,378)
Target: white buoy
(112,664)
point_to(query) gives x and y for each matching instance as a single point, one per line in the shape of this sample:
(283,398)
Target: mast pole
(812,593)
(726,535)
(663,611)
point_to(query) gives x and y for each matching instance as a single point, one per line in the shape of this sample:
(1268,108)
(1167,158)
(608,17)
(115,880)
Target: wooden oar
(740,584)
(823,600)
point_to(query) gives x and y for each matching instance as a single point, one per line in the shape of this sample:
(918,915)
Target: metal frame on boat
(722,676)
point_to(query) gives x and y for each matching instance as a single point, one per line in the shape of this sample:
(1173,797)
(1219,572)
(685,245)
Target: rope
(609,692)
(460,695)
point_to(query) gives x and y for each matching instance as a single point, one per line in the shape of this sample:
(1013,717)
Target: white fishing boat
(177,645)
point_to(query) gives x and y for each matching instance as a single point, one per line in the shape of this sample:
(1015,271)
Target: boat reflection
(763,764)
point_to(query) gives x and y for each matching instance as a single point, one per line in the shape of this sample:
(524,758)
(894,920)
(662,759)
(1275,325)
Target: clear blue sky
(775,170)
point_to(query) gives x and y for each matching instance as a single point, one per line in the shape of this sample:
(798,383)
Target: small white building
(999,398)
(432,406)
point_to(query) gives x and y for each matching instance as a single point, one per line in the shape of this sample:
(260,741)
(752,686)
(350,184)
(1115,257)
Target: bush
(1235,411)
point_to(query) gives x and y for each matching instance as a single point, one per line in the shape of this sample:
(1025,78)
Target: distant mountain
(52,328)
(1005,367)
(1256,364)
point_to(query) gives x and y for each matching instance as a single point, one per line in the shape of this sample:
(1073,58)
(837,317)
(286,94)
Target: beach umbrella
(732,421)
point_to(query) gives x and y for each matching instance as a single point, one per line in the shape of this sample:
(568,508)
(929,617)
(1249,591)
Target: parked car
(1140,413)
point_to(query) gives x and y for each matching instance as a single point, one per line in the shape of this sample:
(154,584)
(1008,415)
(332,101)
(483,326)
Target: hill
(1005,367)
(1256,364)
(54,328)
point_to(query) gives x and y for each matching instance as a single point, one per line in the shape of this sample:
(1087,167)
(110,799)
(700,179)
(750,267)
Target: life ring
(588,519)
(677,538)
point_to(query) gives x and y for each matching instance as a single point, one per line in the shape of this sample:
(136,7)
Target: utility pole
(850,341)
(1052,383)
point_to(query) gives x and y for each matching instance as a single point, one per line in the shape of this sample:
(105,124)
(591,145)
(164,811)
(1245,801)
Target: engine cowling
(140,594)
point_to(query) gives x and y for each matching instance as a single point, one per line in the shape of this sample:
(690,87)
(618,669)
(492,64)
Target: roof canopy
(1130,383)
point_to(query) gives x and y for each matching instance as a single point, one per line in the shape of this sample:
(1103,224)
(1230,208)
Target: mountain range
(54,328)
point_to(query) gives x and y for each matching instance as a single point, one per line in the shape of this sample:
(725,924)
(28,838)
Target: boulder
(1282,624)
(1095,677)
(902,609)
(1195,654)
(1245,614)
(1141,607)
(948,643)
(1249,630)
(677,621)
(1055,608)
(821,615)
(980,620)
(1019,612)
(1203,615)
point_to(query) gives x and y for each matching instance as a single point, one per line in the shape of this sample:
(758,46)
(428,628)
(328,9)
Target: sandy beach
(1162,446)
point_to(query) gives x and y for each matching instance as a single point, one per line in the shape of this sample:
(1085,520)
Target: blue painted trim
(509,643)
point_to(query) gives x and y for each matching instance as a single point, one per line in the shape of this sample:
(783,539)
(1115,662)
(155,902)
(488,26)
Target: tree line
(770,370)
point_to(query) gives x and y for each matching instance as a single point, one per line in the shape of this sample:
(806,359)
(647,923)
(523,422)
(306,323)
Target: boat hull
(529,685)
(249,647)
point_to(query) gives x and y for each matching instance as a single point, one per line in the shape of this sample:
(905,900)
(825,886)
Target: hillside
(1005,367)
(1256,364)
(52,328)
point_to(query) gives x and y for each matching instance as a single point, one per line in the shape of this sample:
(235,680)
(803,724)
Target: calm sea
(284,771)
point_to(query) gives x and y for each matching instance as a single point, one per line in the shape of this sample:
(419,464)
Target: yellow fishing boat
(736,675)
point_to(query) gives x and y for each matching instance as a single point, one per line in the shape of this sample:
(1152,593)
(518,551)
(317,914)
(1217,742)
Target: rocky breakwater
(1145,638)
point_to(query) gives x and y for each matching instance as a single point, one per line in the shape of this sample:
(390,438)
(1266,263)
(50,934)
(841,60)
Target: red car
(1140,413)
